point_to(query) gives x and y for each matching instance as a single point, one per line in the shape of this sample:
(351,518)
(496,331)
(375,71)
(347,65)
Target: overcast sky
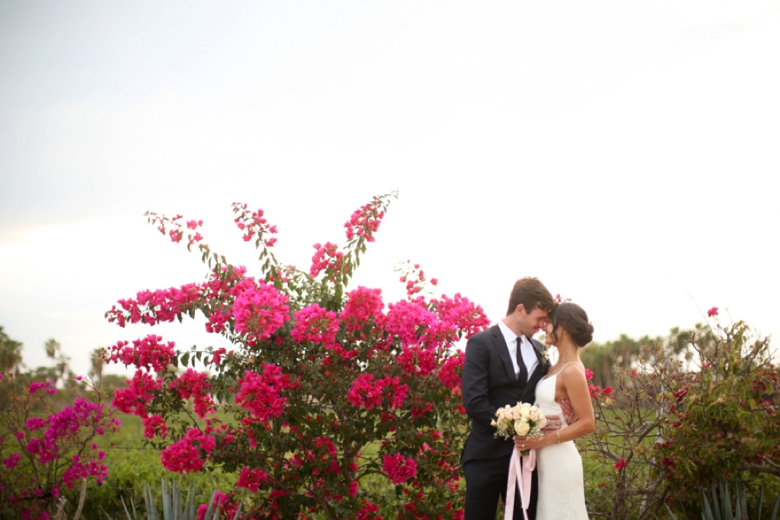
(626,152)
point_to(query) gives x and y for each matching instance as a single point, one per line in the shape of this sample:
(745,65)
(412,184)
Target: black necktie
(523,376)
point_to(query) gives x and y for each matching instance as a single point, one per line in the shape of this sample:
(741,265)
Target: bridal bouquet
(526,421)
(521,419)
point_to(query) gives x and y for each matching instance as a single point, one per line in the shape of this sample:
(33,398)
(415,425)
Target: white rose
(521,428)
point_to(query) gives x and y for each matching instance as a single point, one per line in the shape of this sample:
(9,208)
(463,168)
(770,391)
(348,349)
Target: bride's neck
(568,352)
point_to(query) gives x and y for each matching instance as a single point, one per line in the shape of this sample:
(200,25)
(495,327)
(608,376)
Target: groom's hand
(553,423)
(568,412)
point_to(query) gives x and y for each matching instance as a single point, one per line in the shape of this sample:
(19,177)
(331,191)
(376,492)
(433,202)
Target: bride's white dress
(561,484)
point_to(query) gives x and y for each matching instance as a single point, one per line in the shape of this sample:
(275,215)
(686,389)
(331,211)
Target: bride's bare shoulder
(574,371)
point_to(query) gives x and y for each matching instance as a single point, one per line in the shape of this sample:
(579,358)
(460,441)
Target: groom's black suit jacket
(489,382)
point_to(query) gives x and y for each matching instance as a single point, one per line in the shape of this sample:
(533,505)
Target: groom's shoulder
(485,335)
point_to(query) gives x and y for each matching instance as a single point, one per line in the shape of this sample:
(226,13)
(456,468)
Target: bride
(561,485)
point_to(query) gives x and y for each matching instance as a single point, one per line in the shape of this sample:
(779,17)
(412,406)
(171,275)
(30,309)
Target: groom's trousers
(486,480)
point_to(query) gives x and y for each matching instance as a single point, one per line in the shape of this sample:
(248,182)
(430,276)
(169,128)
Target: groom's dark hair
(532,294)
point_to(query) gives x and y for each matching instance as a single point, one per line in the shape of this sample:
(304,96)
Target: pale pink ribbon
(520,474)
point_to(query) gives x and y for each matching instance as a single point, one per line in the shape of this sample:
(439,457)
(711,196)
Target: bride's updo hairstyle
(573,319)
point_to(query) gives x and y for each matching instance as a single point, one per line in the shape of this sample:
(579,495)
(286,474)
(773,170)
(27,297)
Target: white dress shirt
(526,349)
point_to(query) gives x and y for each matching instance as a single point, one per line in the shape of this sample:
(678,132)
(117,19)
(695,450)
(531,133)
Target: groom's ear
(520,309)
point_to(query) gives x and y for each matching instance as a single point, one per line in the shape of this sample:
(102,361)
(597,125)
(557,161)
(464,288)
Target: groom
(502,366)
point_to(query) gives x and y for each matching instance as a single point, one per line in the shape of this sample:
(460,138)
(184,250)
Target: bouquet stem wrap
(519,474)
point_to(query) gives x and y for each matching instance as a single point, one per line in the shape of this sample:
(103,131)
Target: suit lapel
(499,344)
(541,353)
(539,372)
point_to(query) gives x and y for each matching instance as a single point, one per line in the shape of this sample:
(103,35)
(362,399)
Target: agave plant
(717,505)
(173,507)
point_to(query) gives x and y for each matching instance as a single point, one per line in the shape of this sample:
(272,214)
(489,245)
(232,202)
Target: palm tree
(10,354)
(97,365)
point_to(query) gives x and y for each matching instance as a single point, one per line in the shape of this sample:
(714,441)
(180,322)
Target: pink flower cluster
(595,390)
(417,360)
(451,369)
(326,257)
(153,307)
(315,324)
(253,223)
(79,469)
(409,320)
(219,291)
(155,425)
(365,221)
(399,468)
(259,309)
(368,512)
(46,385)
(221,501)
(414,278)
(363,305)
(260,393)
(176,232)
(251,479)
(136,397)
(12,461)
(369,394)
(66,428)
(187,454)
(196,385)
(216,357)
(148,353)
(462,314)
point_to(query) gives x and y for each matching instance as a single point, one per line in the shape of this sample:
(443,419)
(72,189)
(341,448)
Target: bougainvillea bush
(331,403)
(48,452)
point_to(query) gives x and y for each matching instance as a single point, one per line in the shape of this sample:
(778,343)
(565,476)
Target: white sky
(623,151)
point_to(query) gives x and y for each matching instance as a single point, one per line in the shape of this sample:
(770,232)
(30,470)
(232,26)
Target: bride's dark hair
(574,320)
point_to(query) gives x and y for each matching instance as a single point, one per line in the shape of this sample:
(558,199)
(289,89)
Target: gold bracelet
(559,435)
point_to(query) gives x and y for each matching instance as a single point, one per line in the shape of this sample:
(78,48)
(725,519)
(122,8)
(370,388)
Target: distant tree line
(606,359)
(59,373)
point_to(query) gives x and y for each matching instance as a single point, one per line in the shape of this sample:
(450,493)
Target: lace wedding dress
(561,485)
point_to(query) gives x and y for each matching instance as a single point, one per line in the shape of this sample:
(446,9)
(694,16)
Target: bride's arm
(576,387)
(572,378)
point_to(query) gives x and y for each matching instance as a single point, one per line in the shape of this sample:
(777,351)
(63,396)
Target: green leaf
(185,359)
